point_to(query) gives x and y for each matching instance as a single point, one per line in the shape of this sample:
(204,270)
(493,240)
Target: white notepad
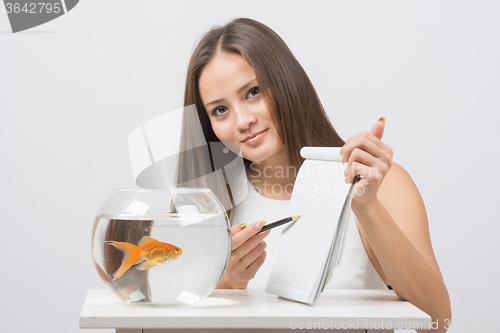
(311,247)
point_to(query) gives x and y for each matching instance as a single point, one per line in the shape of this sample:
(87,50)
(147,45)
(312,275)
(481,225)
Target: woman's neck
(273,178)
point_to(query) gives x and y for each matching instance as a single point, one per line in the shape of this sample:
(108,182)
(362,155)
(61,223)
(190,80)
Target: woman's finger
(368,174)
(250,257)
(360,153)
(254,267)
(368,143)
(364,141)
(368,159)
(378,129)
(235,228)
(239,237)
(249,245)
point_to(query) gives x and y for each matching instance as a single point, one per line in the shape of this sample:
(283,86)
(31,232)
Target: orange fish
(149,252)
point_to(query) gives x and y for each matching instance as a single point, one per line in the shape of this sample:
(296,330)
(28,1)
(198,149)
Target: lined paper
(302,262)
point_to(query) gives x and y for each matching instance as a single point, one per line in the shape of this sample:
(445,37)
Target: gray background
(73,89)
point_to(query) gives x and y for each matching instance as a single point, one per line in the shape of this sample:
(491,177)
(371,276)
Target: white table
(248,311)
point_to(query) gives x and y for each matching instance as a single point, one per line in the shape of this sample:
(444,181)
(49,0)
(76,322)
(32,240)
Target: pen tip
(296,217)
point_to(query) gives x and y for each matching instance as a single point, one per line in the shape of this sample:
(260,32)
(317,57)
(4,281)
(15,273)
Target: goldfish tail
(130,255)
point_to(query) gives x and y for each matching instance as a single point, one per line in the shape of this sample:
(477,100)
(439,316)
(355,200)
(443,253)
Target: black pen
(279,222)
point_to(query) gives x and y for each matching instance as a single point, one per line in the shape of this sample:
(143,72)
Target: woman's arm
(394,224)
(396,236)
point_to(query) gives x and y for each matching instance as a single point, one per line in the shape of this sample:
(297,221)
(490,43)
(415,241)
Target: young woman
(252,95)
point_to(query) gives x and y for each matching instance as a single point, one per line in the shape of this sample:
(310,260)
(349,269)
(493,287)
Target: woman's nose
(244,118)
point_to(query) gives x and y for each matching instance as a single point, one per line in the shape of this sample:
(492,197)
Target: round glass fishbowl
(161,247)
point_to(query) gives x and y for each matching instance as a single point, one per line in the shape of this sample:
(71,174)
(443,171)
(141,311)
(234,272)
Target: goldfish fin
(145,266)
(145,240)
(130,254)
(140,259)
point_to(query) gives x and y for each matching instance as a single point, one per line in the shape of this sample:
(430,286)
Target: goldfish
(148,253)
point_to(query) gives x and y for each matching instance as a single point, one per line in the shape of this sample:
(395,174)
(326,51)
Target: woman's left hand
(369,157)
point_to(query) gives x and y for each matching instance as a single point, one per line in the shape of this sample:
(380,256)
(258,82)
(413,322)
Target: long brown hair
(296,109)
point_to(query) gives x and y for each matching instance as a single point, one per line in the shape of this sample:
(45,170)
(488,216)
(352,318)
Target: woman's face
(236,108)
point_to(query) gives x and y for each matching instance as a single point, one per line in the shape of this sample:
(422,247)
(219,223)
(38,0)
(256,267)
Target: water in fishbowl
(163,259)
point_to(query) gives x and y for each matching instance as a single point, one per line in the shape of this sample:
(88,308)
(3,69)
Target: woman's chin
(266,151)
(254,158)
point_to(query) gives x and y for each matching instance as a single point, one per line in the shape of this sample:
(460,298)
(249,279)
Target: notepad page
(336,250)
(319,195)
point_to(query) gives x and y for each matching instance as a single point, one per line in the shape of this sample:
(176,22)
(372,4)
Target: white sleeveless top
(356,271)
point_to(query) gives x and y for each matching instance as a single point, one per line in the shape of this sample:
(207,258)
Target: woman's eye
(253,92)
(219,111)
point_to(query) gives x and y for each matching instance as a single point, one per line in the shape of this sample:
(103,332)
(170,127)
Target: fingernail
(341,153)
(258,225)
(263,222)
(346,181)
(342,161)
(382,118)
(243,225)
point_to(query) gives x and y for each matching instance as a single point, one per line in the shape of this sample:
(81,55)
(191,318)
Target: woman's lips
(256,139)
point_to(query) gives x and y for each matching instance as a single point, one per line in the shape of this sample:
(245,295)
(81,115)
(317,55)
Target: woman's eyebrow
(245,86)
(239,91)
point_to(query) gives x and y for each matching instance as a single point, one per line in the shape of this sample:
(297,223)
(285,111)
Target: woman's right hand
(247,255)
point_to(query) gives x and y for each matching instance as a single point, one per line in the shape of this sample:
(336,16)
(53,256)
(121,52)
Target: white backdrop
(73,89)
